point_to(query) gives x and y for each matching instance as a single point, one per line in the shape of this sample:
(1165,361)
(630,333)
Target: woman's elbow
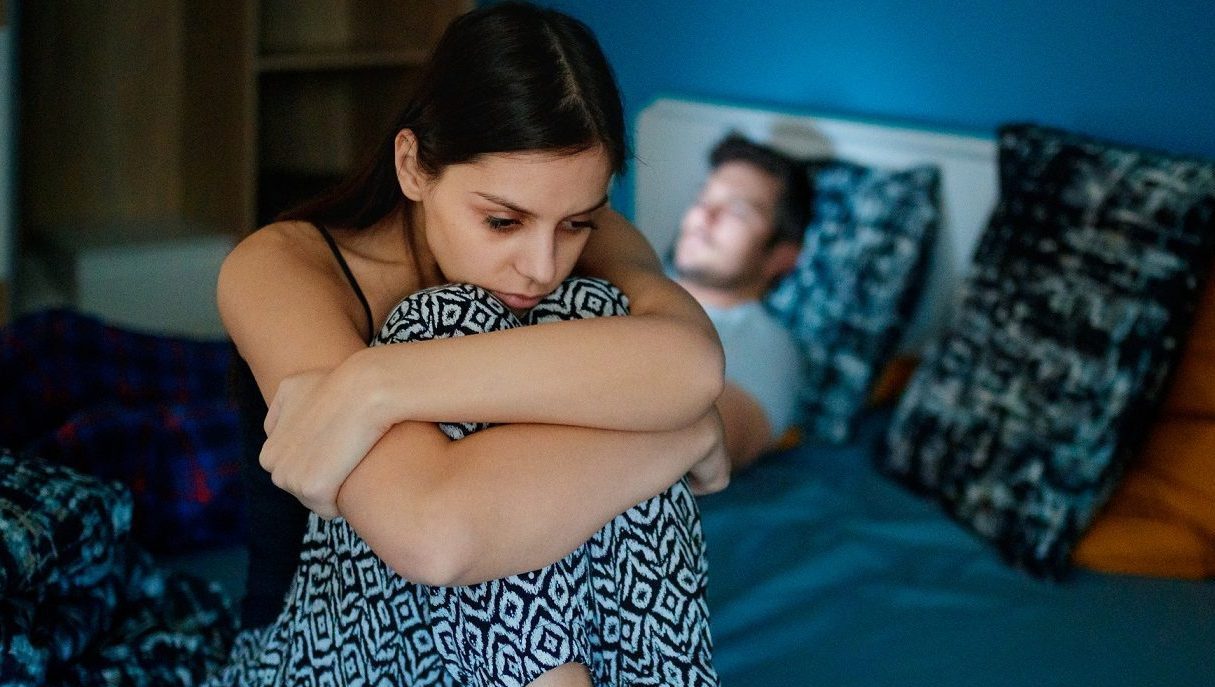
(416,534)
(438,567)
(438,552)
(705,371)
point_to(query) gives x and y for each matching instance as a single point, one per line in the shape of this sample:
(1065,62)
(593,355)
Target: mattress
(822,571)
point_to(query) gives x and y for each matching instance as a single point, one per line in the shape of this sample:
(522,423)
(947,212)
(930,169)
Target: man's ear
(409,174)
(782,256)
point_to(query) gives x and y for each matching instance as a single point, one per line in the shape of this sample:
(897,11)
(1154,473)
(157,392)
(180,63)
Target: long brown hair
(509,77)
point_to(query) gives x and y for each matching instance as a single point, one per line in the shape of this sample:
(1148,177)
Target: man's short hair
(794,204)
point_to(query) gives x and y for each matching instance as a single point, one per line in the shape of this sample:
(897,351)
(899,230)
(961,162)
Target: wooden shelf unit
(154,133)
(176,113)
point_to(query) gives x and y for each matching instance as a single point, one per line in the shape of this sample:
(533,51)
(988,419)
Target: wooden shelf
(155,133)
(303,62)
(188,108)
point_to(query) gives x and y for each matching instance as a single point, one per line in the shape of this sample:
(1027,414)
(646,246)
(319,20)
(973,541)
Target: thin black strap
(354,283)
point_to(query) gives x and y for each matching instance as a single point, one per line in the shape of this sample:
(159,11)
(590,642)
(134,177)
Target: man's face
(725,236)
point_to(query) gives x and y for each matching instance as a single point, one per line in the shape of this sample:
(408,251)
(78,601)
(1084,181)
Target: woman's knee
(443,312)
(579,298)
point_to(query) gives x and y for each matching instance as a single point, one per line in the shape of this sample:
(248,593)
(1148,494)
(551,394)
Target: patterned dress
(629,603)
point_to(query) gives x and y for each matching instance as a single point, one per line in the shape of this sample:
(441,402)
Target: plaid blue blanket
(151,412)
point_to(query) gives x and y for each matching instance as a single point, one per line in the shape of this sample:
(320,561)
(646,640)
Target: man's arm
(764,371)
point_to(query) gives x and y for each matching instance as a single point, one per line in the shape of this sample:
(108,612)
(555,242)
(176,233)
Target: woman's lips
(515,301)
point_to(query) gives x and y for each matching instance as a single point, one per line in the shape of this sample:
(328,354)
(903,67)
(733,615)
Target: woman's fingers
(712,472)
(315,438)
(296,472)
(272,414)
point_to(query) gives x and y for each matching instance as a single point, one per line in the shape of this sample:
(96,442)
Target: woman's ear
(409,173)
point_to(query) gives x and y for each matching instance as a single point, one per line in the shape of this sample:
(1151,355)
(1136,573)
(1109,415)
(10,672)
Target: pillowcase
(58,526)
(1021,418)
(1161,520)
(856,281)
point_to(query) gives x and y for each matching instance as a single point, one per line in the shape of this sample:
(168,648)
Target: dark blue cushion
(856,282)
(1021,418)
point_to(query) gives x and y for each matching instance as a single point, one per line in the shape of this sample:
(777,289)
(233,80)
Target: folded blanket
(80,603)
(152,412)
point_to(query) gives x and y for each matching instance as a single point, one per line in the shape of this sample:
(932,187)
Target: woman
(495,175)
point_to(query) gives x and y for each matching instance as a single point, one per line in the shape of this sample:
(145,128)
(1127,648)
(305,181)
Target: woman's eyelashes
(506,223)
(500,223)
(581,224)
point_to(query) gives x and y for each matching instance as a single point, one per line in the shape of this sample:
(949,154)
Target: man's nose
(703,216)
(712,214)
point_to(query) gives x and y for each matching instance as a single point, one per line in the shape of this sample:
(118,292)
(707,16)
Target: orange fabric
(1193,389)
(790,439)
(893,379)
(1161,520)
(1150,547)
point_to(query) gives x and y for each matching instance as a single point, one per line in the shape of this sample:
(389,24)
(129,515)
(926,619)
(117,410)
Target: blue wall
(1133,71)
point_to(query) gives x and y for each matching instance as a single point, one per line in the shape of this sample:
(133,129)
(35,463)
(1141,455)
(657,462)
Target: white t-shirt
(762,359)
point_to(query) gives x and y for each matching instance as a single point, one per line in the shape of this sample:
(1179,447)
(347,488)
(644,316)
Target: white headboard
(673,141)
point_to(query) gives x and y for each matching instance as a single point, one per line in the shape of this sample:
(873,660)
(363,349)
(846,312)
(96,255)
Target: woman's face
(513,223)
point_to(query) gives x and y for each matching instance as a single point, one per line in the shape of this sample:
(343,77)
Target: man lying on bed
(742,233)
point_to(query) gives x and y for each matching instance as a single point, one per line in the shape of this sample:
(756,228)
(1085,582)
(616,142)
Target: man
(742,233)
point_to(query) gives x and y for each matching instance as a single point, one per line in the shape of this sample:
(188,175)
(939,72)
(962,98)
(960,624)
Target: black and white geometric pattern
(856,282)
(1022,417)
(629,603)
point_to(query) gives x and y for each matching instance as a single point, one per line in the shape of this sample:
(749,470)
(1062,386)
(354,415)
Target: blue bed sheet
(824,572)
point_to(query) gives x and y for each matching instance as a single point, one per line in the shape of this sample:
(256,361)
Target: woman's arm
(510,498)
(293,320)
(658,369)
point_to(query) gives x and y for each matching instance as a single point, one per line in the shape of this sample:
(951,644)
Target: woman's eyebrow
(515,208)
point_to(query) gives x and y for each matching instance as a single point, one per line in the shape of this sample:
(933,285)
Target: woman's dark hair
(508,77)
(794,205)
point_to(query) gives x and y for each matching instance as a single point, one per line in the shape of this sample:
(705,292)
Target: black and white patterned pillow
(856,282)
(1022,416)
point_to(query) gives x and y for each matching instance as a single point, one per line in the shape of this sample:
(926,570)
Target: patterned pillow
(79,603)
(856,282)
(1022,416)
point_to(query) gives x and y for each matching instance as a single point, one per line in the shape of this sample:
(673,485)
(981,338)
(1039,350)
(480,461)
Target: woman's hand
(711,473)
(317,433)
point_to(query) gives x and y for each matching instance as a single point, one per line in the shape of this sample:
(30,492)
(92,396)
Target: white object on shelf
(163,286)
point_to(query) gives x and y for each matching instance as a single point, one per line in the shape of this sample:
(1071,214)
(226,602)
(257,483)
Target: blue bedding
(824,572)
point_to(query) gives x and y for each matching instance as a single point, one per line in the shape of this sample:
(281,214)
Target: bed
(825,571)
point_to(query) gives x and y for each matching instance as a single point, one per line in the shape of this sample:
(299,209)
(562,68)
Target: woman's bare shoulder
(280,243)
(282,251)
(282,255)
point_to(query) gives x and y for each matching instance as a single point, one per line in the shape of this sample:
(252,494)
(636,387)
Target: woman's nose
(538,260)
